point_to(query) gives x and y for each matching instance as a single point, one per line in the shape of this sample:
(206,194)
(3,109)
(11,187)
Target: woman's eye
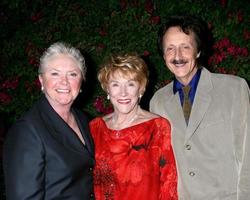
(114,84)
(73,74)
(54,74)
(131,84)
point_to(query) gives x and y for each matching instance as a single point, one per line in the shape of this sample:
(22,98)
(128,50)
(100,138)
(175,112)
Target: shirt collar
(193,83)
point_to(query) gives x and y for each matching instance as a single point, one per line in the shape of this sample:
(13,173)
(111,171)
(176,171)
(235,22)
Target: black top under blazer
(44,159)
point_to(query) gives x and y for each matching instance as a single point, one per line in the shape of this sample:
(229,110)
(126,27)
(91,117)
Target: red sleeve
(168,177)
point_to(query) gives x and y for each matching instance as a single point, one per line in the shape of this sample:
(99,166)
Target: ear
(40,79)
(164,56)
(142,90)
(198,55)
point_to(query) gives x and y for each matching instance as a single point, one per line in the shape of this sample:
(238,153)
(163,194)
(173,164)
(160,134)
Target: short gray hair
(62,48)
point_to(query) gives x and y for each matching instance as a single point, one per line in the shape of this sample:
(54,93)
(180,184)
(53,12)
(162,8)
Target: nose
(64,79)
(123,91)
(178,54)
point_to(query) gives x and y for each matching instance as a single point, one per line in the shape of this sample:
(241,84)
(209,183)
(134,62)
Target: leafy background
(99,28)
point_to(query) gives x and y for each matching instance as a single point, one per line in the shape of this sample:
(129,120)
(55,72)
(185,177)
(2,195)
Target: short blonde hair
(127,65)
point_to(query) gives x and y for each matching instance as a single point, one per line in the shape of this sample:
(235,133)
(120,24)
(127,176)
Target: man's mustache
(181,61)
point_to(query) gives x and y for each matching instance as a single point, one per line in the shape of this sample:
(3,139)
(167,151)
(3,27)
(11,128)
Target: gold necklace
(128,123)
(117,133)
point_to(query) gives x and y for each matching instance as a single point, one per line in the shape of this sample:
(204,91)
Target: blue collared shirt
(193,84)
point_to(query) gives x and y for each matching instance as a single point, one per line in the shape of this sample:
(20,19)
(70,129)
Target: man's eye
(169,49)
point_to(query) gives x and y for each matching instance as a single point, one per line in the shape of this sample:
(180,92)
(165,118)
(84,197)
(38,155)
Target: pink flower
(146,53)
(29,48)
(108,109)
(37,83)
(100,47)
(244,52)
(34,86)
(230,15)
(123,4)
(223,43)
(149,7)
(239,17)
(232,50)
(28,87)
(99,104)
(5,98)
(246,34)
(101,107)
(36,17)
(155,20)
(103,32)
(210,60)
(222,70)
(218,58)
(209,25)
(223,3)
(33,61)
(10,83)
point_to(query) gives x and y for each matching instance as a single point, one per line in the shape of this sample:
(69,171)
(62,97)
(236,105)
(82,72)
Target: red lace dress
(135,163)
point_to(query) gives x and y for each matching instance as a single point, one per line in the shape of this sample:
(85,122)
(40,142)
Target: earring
(108,97)
(80,91)
(42,88)
(198,55)
(139,100)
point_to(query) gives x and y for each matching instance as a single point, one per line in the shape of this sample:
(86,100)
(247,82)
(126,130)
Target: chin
(181,73)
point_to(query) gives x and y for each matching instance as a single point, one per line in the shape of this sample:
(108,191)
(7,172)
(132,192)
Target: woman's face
(124,93)
(61,80)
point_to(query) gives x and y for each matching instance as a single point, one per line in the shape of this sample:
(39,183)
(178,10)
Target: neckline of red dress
(133,126)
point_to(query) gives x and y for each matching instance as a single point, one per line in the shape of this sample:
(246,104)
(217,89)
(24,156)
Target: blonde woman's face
(124,93)
(61,80)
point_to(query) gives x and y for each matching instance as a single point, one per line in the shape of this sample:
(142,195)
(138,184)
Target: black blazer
(44,159)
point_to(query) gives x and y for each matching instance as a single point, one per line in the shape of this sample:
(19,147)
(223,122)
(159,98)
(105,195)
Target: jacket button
(191,173)
(188,146)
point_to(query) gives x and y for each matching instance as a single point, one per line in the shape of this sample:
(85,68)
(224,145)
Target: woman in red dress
(133,152)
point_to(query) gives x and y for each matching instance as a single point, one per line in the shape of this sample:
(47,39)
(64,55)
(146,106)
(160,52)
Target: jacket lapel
(175,113)
(61,131)
(84,128)
(201,103)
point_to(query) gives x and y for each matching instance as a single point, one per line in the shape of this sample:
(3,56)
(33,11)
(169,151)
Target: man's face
(180,54)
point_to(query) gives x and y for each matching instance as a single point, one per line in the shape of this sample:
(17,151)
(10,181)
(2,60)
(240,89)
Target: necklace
(123,124)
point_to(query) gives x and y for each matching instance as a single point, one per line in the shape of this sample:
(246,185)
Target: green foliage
(99,28)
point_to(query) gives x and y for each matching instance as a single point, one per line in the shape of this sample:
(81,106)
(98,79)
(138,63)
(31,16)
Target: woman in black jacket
(48,152)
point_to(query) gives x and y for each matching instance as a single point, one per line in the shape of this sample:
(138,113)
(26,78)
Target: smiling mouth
(62,91)
(180,65)
(123,101)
